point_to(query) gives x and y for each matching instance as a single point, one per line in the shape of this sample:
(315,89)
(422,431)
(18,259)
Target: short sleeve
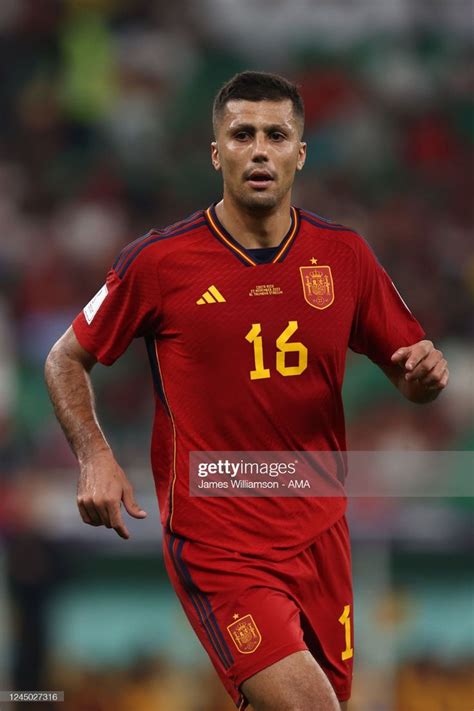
(383,322)
(126,307)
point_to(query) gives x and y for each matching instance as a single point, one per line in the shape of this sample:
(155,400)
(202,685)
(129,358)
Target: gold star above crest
(314,261)
(236,616)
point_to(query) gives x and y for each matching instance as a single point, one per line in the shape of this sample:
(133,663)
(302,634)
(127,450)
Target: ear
(215,156)
(301,156)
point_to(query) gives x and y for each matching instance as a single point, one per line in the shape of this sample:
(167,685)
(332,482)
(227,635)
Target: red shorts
(249,613)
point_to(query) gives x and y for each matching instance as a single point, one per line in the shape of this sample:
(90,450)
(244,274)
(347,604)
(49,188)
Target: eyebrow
(251,128)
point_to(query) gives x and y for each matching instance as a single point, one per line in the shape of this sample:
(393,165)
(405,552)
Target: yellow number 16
(284,346)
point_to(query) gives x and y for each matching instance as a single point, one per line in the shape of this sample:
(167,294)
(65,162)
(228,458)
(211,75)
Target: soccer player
(247,309)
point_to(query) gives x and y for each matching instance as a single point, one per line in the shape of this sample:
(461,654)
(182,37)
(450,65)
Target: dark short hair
(257,86)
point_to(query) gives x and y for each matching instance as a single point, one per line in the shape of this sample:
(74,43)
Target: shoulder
(144,251)
(324,227)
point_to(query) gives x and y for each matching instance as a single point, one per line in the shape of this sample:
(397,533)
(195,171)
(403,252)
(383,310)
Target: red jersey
(246,356)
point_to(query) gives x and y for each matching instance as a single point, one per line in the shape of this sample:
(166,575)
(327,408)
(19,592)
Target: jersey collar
(220,232)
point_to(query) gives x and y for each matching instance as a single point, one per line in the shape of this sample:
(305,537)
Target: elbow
(52,354)
(67,352)
(51,361)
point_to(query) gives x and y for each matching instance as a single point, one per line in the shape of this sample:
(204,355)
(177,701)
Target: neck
(255,228)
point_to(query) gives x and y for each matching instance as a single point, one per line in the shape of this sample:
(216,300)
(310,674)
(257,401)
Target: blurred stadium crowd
(104,132)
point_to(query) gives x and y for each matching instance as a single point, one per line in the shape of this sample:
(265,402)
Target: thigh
(326,601)
(245,621)
(296,681)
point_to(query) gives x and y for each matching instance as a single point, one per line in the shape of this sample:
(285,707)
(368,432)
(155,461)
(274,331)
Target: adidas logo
(211,296)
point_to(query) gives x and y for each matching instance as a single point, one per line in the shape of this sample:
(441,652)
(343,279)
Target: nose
(259,153)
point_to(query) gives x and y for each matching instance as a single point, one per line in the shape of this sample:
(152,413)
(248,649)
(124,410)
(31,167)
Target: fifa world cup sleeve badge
(318,285)
(245,634)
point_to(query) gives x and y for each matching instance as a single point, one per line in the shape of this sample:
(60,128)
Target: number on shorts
(345,619)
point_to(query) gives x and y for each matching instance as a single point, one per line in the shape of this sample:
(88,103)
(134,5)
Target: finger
(98,510)
(83,514)
(116,521)
(400,355)
(435,374)
(102,508)
(410,356)
(425,366)
(441,383)
(89,514)
(445,379)
(416,357)
(131,505)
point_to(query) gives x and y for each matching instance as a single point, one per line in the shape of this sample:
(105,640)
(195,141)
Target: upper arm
(69,346)
(382,321)
(127,306)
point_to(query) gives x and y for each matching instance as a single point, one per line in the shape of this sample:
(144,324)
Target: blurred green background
(105,110)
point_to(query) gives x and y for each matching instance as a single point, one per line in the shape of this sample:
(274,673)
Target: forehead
(258,113)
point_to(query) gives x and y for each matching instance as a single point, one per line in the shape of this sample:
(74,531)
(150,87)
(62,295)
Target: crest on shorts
(318,286)
(245,634)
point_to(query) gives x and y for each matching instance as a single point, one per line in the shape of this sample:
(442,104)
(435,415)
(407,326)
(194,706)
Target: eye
(241,135)
(277,136)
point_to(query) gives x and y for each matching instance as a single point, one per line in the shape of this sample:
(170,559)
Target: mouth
(259,179)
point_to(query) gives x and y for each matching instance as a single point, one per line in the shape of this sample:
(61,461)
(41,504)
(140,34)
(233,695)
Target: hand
(102,488)
(423,363)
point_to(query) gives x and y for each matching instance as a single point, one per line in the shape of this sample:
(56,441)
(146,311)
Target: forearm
(71,394)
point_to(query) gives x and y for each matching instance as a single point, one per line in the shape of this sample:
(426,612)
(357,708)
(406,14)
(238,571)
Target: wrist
(91,452)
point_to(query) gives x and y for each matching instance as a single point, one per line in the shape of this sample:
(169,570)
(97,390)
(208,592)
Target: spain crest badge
(245,634)
(318,286)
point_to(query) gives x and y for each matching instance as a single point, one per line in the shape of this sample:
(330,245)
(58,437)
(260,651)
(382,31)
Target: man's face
(258,149)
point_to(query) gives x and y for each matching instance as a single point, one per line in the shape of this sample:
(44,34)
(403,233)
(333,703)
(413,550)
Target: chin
(259,201)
